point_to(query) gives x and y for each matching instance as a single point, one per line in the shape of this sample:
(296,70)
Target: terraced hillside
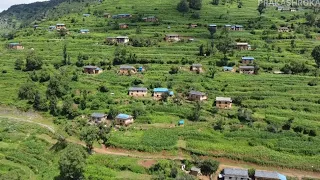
(274,119)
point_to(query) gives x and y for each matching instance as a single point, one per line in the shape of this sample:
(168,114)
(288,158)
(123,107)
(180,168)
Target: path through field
(162,155)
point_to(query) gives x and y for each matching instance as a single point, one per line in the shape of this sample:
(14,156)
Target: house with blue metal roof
(268,175)
(123,119)
(159,92)
(247,60)
(181,122)
(84,31)
(92,69)
(86,15)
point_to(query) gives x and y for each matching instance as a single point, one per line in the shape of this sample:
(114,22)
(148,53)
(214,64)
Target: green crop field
(274,120)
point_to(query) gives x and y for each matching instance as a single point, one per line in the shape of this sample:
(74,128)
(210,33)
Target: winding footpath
(224,163)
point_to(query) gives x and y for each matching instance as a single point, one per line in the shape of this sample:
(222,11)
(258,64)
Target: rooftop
(242,44)
(126,67)
(196,169)
(160,90)
(98,115)
(234,171)
(90,67)
(246,67)
(122,37)
(266,174)
(123,116)
(14,44)
(196,65)
(197,93)
(59,24)
(138,89)
(84,30)
(223,99)
(170,35)
(227,68)
(247,58)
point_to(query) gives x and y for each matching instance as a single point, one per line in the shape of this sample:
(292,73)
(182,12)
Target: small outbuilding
(196,68)
(123,26)
(283,29)
(197,96)
(16,46)
(172,37)
(86,15)
(237,28)
(268,175)
(84,31)
(181,122)
(195,171)
(228,69)
(159,92)
(123,120)
(126,70)
(150,19)
(138,91)
(223,102)
(60,26)
(98,117)
(107,15)
(92,69)
(243,46)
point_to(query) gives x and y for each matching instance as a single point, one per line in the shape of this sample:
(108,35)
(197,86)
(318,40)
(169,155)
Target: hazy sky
(5,4)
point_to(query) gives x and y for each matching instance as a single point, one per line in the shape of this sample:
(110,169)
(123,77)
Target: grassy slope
(283,96)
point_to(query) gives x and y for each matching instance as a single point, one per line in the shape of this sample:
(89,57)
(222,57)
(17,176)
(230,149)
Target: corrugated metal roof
(160,90)
(282,177)
(227,68)
(126,67)
(197,93)
(266,174)
(234,171)
(138,89)
(196,65)
(98,115)
(247,58)
(246,67)
(242,44)
(123,116)
(196,169)
(90,67)
(228,99)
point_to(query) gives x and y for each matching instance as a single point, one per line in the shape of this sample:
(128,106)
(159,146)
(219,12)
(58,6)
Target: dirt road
(163,155)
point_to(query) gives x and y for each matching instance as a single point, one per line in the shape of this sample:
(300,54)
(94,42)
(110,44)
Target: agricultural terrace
(274,119)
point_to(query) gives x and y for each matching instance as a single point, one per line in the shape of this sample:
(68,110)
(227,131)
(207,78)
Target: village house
(126,70)
(212,26)
(246,69)
(228,69)
(268,175)
(16,46)
(107,15)
(223,102)
(123,26)
(60,26)
(150,19)
(247,60)
(92,70)
(36,26)
(195,171)
(84,31)
(283,29)
(196,68)
(121,16)
(86,15)
(197,96)
(172,37)
(98,117)
(243,46)
(237,28)
(123,119)
(118,39)
(181,122)
(235,174)
(227,27)
(158,92)
(138,91)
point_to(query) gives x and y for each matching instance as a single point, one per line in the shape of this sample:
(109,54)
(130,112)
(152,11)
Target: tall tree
(33,62)
(18,64)
(209,166)
(53,105)
(196,112)
(261,8)
(27,91)
(183,6)
(215,2)
(224,45)
(195,4)
(40,103)
(64,55)
(316,55)
(89,134)
(72,162)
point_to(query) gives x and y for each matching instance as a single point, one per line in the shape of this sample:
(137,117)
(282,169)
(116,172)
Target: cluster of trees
(141,42)
(184,5)
(32,62)
(295,67)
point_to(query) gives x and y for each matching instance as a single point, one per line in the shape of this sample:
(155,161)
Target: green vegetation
(274,120)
